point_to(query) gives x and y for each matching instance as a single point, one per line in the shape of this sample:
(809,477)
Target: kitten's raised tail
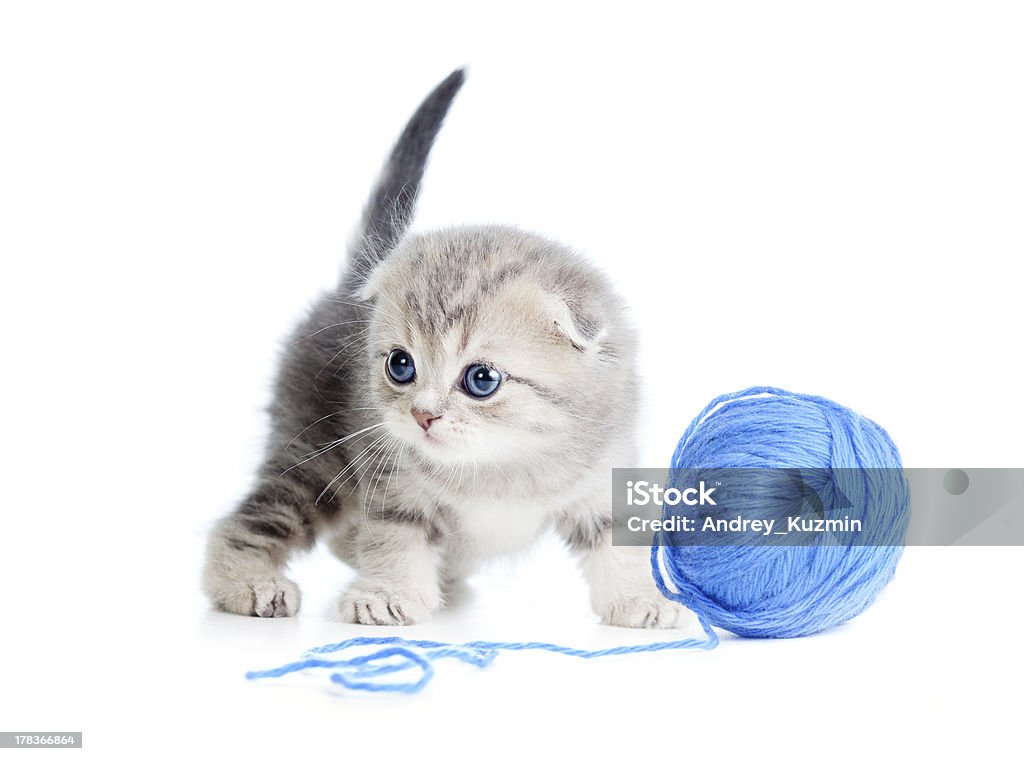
(390,208)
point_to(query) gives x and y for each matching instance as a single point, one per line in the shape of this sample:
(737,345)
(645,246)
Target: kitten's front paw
(263,596)
(652,611)
(377,605)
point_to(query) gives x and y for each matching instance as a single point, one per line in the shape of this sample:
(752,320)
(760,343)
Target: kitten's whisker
(353,339)
(367,464)
(350,464)
(387,486)
(394,452)
(349,436)
(428,484)
(318,450)
(313,455)
(344,364)
(378,473)
(368,495)
(364,464)
(408,322)
(440,493)
(366,305)
(363,452)
(502,471)
(444,489)
(357,304)
(363,343)
(462,472)
(328,327)
(330,414)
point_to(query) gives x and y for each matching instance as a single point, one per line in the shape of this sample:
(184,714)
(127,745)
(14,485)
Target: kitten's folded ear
(577,323)
(572,313)
(390,207)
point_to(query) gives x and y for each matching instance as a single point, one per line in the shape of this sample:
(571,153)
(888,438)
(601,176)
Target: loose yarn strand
(398,654)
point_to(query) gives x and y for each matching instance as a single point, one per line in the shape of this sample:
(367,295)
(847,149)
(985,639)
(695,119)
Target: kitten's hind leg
(249,549)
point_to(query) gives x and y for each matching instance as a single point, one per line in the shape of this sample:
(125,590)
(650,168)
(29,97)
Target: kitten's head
(491,345)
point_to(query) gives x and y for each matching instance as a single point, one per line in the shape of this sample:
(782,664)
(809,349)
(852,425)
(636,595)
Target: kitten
(463,391)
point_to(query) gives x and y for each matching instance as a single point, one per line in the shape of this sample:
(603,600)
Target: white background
(821,197)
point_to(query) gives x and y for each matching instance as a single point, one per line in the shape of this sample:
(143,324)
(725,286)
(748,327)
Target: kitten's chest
(492,527)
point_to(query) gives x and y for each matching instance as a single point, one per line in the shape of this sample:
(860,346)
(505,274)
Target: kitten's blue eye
(481,380)
(401,368)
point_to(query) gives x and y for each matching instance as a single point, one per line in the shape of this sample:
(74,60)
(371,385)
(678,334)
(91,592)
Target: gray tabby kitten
(460,393)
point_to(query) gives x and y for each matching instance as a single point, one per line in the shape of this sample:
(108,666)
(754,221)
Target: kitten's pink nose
(424,418)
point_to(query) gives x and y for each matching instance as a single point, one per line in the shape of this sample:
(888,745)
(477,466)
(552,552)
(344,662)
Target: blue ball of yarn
(755,590)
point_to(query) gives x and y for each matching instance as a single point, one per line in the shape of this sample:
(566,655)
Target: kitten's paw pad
(263,596)
(379,606)
(645,613)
